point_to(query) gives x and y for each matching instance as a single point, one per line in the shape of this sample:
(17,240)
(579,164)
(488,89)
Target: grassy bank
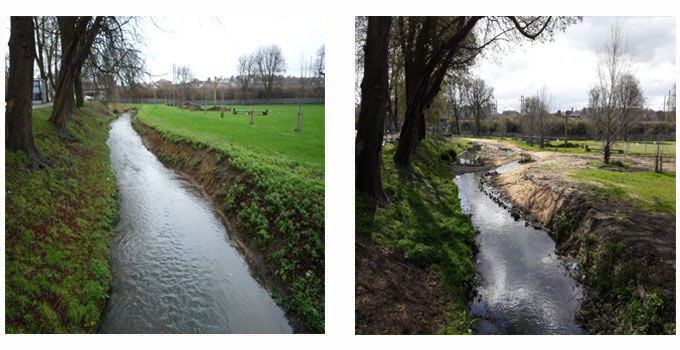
(425,223)
(645,189)
(269,179)
(58,229)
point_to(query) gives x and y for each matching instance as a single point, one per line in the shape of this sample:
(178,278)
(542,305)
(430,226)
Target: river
(525,288)
(174,267)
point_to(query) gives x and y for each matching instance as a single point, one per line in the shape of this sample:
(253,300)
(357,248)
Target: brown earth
(392,295)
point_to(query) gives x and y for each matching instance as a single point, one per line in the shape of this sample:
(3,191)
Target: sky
(568,65)
(211,46)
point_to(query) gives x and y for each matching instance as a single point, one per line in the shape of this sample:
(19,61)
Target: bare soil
(393,296)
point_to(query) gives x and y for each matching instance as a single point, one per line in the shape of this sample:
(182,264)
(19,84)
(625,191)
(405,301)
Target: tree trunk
(78,88)
(477,118)
(19,113)
(607,152)
(566,130)
(408,138)
(373,110)
(63,100)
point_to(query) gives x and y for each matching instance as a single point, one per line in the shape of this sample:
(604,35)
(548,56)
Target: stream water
(525,288)
(174,267)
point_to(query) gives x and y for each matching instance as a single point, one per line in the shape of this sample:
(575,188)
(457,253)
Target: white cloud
(567,66)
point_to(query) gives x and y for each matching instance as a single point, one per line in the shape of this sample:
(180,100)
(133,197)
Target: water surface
(174,267)
(525,287)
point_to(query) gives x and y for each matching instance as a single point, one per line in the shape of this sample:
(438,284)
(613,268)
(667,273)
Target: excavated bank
(622,250)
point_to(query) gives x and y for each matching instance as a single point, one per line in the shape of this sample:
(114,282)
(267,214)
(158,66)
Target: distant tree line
(286,87)
(260,76)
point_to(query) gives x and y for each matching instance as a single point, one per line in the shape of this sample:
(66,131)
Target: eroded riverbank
(624,253)
(175,269)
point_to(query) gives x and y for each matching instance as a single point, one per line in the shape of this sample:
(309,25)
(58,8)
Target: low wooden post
(252,115)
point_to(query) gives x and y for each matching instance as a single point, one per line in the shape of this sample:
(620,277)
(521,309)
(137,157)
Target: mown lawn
(278,198)
(58,228)
(425,222)
(272,134)
(646,189)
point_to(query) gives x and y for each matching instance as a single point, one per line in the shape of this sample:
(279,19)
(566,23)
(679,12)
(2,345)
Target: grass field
(630,147)
(646,189)
(278,198)
(58,228)
(271,134)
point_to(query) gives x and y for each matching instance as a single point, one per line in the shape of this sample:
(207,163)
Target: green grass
(278,198)
(646,189)
(58,229)
(631,147)
(272,134)
(425,223)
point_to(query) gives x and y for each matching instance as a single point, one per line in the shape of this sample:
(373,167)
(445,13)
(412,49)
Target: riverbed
(524,287)
(175,268)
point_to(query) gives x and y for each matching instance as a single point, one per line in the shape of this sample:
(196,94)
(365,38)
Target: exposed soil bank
(212,175)
(393,296)
(626,254)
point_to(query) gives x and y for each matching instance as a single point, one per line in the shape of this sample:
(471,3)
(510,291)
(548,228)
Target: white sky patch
(211,45)
(567,66)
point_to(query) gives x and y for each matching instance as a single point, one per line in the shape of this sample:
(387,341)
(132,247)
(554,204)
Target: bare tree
(456,99)
(47,47)
(184,78)
(320,70)
(478,95)
(19,112)
(616,96)
(269,62)
(246,72)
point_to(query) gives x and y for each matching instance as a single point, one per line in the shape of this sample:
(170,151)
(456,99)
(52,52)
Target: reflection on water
(524,288)
(174,268)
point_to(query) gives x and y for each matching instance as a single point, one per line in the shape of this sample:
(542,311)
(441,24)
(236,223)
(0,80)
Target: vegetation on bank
(278,194)
(58,228)
(425,223)
(646,189)
(624,301)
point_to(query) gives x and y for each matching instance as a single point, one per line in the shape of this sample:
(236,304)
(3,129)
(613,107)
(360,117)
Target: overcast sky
(567,66)
(212,45)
